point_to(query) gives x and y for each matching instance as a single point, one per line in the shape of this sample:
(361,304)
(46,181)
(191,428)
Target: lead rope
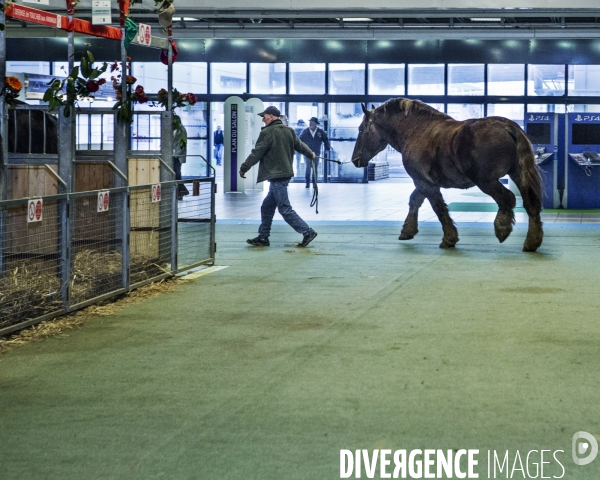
(315,199)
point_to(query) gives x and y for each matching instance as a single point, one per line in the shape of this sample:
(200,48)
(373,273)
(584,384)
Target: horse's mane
(406,106)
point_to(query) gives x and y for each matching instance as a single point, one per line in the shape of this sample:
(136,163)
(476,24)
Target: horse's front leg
(441,210)
(410,229)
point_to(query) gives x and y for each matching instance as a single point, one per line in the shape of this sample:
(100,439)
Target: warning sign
(156,193)
(35,210)
(144,34)
(103,201)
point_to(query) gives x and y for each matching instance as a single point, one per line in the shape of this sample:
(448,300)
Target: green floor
(268,368)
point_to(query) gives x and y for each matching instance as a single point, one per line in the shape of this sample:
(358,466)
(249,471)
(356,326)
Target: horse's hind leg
(505,219)
(440,208)
(533,206)
(409,229)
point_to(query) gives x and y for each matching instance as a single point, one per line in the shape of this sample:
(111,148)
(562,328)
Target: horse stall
(82,217)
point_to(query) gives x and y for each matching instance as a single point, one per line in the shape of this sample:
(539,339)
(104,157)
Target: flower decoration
(124,106)
(65,93)
(11,90)
(179,99)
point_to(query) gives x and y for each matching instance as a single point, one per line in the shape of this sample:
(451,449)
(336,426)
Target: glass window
(584,108)
(299,115)
(307,78)
(546,108)
(194,119)
(43,68)
(464,111)
(506,79)
(268,78)
(228,78)
(426,79)
(545,80)
(347,78)
(344,120)
(386,79)
(151,75)
(145,131)
(465,79)
(585,80)
(95,132)
(190,77)
(514,112)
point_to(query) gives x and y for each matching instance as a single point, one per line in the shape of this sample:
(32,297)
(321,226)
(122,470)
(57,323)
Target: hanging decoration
(124,106)
(165,12)
(11,90)
(81,83)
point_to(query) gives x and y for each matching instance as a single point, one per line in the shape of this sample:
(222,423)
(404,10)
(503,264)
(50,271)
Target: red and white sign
(33,15)
(103,201)
(156,193)
(35,210)
(144,34)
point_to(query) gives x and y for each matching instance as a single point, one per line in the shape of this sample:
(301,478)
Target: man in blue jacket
(274,152)
(314,137)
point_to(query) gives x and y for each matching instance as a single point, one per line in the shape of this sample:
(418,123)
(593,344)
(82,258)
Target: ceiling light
(355,19)
(185,19)
(486,19)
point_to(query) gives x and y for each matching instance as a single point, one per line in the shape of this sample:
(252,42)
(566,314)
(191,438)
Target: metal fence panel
(87,246)
(96,245)
(30,280)
(195,225)
(151,232)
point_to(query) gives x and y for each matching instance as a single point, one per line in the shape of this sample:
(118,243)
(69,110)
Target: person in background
(179,154)
(273,152)
(314,137)
(284,120)
(218,141)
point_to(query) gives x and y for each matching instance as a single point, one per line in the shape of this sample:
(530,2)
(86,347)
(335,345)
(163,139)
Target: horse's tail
(531,180)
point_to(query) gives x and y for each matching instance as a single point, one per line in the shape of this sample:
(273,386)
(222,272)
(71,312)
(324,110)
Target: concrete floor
(268,368)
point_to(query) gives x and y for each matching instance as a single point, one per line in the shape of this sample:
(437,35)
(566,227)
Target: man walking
(218,145)
(314,137)
(274,152)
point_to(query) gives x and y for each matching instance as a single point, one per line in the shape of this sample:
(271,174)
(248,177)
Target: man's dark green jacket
(274,150)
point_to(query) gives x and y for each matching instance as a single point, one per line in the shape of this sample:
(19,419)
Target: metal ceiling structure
(363,24)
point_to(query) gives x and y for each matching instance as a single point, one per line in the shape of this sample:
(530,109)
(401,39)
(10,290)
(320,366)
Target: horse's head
(369,142)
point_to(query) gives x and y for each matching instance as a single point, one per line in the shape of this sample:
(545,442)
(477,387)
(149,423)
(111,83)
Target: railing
(63,252)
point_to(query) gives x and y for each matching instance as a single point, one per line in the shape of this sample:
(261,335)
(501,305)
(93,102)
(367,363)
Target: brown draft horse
(440,152)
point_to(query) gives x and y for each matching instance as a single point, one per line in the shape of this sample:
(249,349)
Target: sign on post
(101,12)
(156,193)
(144,34)
(35,208)
(103,201)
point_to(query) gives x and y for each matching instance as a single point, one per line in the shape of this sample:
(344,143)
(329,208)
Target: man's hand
(242,174)
(314,155)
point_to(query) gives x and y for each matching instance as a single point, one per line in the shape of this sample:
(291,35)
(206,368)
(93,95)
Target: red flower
(102,81)
(92,86)
(114,66)
(192,99)
(130,79)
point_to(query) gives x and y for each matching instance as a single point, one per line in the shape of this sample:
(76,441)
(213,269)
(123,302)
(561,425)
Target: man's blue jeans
(277,198)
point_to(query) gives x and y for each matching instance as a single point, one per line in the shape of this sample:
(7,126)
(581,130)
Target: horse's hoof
(526,249)
(445,244)
(405,236)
